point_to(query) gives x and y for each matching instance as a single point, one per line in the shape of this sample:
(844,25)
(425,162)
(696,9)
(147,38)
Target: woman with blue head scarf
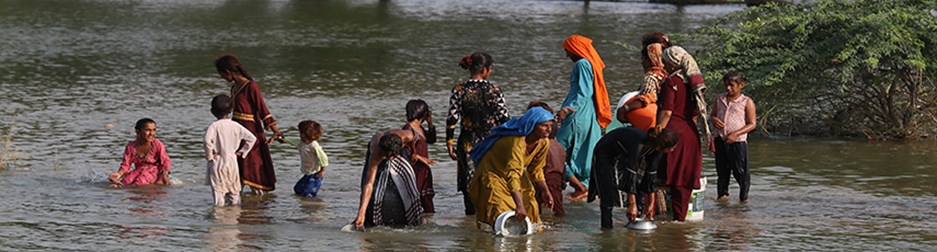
(508,163)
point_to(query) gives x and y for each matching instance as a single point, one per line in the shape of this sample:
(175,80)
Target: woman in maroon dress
(251,112)
(678,111)
(418,112)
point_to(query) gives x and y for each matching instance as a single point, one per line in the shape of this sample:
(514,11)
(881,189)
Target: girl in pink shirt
(734,116)
(148,156)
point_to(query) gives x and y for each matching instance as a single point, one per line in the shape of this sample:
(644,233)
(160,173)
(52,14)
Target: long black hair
(418,109)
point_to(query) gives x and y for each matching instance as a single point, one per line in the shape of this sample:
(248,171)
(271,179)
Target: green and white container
(695,210)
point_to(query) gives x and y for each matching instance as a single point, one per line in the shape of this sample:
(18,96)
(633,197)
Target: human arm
(263,113)
(455,114)
(165,164)
(209,141)
(502,114)
(749,123)
(520,211)
(632,208)
(249,140)
(368,187)
(125,164)
(665,100)
(715,116)
(323,159)
(580,89)
(430,132)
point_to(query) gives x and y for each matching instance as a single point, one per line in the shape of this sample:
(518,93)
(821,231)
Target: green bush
(843,68)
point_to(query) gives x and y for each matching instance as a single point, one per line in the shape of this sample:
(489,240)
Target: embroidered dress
(147,168)
(250,111)
(221,146)
(475,106)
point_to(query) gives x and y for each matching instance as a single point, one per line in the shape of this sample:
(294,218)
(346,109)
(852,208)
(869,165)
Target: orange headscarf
(582,46)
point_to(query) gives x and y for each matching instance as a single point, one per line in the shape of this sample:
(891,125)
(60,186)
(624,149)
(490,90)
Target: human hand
(276,136)
(115,177)
(165,177)
(359,223)
(451,150)
(239,154)
(549,203)
(320,173)
(718,123)
(520,212)
(632,212)
(730,139)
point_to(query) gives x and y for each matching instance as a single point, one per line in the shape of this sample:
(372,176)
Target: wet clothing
(223,140)
(682,169)
(147,169)
(732,159)
(623,165)
(475,106)
(308,186)
(554,171)
(395,199)
(422,172)
(250,111)
(505,166)
(579,132)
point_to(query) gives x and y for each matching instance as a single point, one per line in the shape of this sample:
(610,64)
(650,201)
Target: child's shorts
(308,185)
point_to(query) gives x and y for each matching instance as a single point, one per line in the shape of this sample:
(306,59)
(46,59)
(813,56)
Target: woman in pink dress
(148,156)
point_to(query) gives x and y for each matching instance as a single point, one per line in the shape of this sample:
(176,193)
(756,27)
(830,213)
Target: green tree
(832,67)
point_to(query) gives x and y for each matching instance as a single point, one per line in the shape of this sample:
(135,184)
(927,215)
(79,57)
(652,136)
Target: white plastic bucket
(695,210)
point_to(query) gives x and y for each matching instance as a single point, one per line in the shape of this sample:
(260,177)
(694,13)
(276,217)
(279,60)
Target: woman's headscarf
(517,126)
(678,56)
(582,47)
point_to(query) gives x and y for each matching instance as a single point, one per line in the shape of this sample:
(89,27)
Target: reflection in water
(224,236)
(312,206)
(733,230)
(152,198)
(255,208)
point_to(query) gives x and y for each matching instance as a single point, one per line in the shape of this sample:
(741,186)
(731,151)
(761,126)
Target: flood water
(75,75)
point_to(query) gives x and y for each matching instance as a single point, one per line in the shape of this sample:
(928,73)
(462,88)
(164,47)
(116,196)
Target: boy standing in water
(733,115)
(221,149)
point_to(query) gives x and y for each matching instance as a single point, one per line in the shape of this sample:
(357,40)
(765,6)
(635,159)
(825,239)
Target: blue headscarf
(517,126)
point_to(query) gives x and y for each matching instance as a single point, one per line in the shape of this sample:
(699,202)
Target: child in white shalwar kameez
(221,149)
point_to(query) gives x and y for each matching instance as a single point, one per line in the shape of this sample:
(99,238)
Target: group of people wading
(503,164)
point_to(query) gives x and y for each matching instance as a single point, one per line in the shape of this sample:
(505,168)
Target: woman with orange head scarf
(586,110)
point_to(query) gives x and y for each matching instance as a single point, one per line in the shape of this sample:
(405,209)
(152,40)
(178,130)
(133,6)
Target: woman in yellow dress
(509,163)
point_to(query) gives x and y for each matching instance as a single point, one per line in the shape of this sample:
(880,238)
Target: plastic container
(695,210)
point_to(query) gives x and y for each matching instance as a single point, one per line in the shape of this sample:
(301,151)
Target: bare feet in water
(577,196)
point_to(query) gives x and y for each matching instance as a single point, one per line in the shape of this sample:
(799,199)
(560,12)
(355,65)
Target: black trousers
(732,159)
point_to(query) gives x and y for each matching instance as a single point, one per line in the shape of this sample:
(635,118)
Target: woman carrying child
(147,154)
